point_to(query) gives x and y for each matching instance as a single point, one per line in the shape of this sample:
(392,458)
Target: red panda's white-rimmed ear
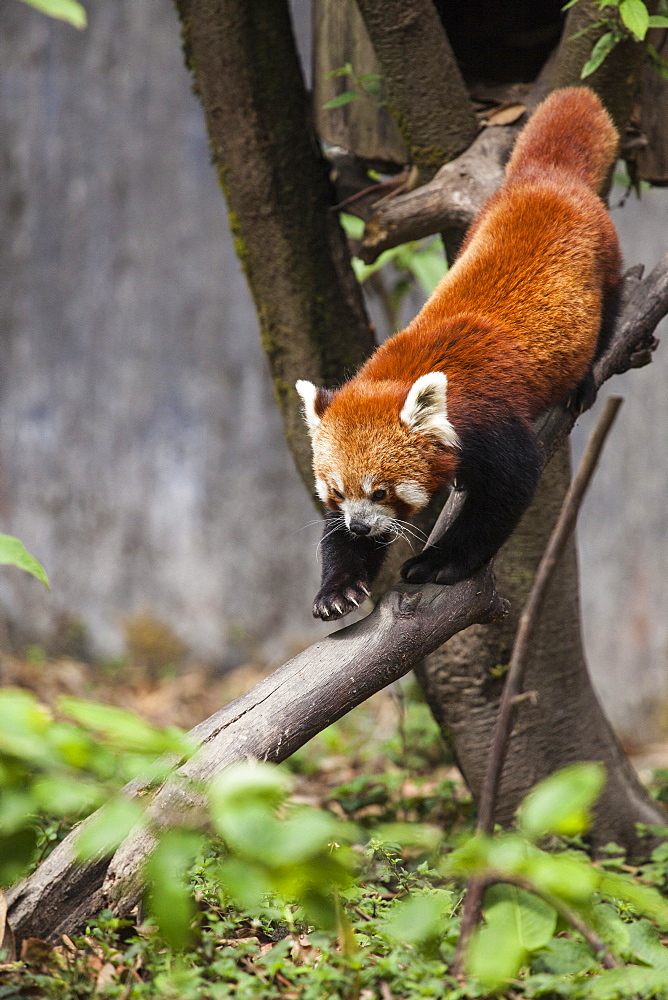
(426,410)
(315,402)
(308,393)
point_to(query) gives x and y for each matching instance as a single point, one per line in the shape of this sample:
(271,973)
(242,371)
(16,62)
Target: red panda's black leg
(350,564)
(584,396)
(499,470)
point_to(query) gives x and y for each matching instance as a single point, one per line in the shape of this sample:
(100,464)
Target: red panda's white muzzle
(363,517)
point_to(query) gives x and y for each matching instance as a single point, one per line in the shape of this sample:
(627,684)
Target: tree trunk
(426,91)
(650,160)
(364,126)
(617,78)
(247,76)
(560,720)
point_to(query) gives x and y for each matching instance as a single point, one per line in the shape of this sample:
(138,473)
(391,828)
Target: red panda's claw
(336,603)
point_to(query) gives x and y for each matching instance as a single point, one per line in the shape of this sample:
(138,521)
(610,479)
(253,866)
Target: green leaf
(247,782)
(64,10)
(24,727)
(635,17)
(101,834)
(420,835)
(371,87)
(62,796)
(658,21)
(626,982)
(16,854)
(352,225)
(564,957)
(646,945)
(534,920)
(585,31)
(420,918)
(563,877)
(495,954)
(602,48)
(171,902)
(344,70)
(428,266)
(18,808)
(643,898)
(14,553)
(561,803)
(124,728)
(341,99)
(610,927)
(659,64)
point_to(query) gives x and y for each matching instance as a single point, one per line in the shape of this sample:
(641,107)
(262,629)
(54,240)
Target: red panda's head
(380,449)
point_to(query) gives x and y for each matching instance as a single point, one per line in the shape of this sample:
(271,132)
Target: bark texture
(432,109)
(560,719)
(650,159)
(364,126)
(618,77)
(247,76)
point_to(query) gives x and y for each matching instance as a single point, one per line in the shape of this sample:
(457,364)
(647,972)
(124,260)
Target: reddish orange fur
(518,314)
(515,321)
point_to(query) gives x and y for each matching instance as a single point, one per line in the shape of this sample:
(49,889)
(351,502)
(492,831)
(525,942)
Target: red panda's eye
(339,496)
(379,494)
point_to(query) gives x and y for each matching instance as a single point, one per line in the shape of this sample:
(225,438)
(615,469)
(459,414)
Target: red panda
(512,329)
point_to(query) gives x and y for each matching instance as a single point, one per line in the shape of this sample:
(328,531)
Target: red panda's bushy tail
(570,130)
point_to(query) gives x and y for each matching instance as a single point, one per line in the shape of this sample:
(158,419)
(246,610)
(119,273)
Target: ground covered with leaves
(339,876)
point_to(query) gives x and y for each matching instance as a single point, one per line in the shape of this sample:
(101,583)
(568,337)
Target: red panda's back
(521,307)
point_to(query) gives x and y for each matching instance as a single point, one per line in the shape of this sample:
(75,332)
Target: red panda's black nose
(359,528)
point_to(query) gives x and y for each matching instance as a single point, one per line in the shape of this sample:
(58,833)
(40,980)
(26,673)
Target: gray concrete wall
(623,529)
(141,456)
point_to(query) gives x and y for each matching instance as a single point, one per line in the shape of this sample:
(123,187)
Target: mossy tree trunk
(560,721)
(425,89)
(247,75)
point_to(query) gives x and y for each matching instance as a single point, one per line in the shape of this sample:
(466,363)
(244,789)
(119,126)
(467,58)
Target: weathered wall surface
(623,529)
(141,458)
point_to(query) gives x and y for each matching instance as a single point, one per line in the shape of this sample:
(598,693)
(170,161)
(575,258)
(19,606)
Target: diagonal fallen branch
(270,722)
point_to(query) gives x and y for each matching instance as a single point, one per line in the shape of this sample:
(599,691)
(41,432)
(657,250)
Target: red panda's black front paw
(430,567)
(335,602)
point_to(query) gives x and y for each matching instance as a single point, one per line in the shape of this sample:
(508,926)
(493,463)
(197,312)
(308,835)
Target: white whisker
(309,524)
(412,529)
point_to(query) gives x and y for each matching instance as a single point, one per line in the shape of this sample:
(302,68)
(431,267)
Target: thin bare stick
(527,623)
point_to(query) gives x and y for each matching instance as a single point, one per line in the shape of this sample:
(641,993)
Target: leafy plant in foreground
(534,893)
